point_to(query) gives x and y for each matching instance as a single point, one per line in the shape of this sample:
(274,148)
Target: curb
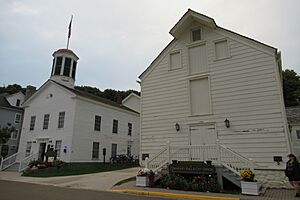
(175,195)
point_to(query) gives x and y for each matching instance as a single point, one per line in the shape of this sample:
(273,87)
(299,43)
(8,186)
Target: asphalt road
(10,190)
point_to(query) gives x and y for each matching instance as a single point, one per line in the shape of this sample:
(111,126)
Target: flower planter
(142,181)
(251,188)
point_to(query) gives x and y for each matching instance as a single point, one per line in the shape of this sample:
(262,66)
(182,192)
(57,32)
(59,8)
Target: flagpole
(69,33)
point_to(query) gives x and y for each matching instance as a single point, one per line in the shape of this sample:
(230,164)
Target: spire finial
(69,34)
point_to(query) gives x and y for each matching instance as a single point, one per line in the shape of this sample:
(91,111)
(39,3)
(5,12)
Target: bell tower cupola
(64,67)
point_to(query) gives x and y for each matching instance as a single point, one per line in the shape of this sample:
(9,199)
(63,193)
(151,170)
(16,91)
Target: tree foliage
(291,87)
(5,133)
(11,89)
(111,94)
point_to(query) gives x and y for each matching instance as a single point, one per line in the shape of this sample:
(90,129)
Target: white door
(203,138)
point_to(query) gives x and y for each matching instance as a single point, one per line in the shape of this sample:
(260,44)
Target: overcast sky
(117,40)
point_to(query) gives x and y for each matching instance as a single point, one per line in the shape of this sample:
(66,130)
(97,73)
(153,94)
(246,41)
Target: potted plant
(248,184)
(142,178)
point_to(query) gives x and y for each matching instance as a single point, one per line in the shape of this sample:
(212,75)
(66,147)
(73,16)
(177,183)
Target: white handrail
(217,153)
(24,162)
(7,162)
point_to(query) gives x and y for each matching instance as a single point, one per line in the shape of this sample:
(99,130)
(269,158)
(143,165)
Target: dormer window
(196,34)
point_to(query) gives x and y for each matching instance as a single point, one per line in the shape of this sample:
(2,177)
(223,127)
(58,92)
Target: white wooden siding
(244,89)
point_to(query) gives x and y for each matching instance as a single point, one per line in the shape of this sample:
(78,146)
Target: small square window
(298,134)
(196,34)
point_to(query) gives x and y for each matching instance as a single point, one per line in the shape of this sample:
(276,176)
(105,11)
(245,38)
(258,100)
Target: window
(145,155)
(14,135)
(61,119)
(95,154)
(129,129)
(18,102)
(114,150)
(74,69)
(52,66)
(197,59)
(199,96)
(115,126)
(129,150)
(97,126)
(175,60)
(17,118)
(32,123)
(28,149)
(67,67)
(221,49)
(298,134)
(196,34)
(57,147)
(46,121)
(58,66)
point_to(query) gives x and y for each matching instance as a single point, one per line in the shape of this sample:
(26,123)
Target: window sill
(200,115)
(220,59)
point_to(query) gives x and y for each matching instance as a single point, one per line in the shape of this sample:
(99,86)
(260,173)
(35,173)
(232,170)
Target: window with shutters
(221,49)
(46,121)
(200,96)
(115,126)
(32,123)
(175,60)
(61,119)
(197,59)
(95,154)
(97,125)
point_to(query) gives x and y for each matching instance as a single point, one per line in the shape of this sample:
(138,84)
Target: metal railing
(24,162)
(9,161)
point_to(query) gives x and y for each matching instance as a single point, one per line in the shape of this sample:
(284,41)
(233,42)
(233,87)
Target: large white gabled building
(76,124)
(213,94)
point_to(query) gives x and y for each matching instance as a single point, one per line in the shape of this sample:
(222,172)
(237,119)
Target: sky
(117,40)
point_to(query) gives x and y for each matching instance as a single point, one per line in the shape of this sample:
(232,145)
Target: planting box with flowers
(142,178)
(248,184)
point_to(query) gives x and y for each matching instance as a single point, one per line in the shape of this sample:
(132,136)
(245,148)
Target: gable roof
(184,23)
(132,94)
(95,98)
(4,103)
(188,18)
(293,114)
(81,94)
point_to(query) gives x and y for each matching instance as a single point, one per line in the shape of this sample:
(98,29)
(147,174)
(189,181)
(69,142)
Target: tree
(11,89)
(5,133)
(111,94)
(291,87)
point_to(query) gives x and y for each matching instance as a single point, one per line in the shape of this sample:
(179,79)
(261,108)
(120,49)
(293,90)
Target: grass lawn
(69,169)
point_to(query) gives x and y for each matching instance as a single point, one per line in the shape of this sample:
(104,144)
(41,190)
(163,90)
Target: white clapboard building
(76,124)
(213,94)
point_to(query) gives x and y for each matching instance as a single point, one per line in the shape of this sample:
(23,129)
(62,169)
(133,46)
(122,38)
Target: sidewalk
(104,182)
(96,181)
(270,194)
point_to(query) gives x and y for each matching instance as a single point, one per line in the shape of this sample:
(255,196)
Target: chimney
(30,90)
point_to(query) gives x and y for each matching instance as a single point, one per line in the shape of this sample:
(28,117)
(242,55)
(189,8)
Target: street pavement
(11,190)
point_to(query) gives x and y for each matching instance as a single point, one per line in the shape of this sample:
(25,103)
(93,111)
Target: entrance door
(203,137)
(42,151)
